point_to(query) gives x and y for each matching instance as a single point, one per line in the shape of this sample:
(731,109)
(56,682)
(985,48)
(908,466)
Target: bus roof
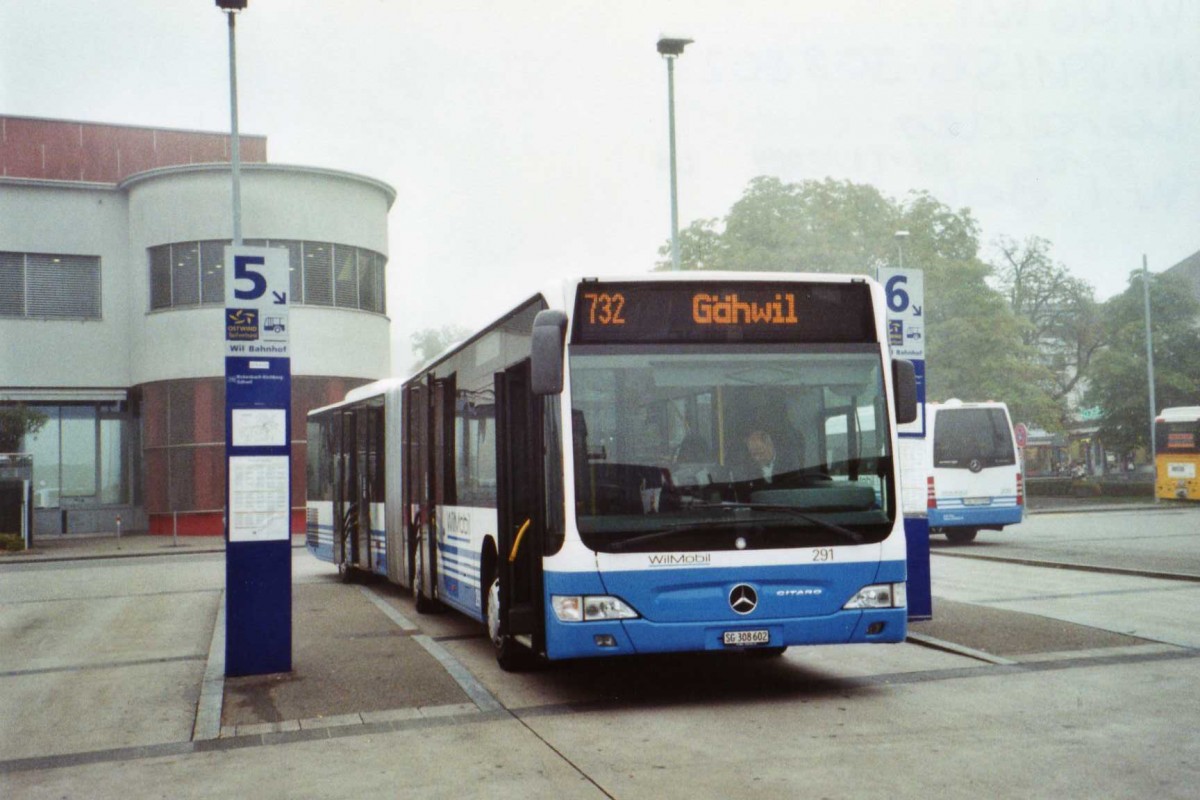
(1180,414)
(954,402)
(359,393)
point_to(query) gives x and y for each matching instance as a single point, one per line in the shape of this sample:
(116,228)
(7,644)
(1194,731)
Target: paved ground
(376,701)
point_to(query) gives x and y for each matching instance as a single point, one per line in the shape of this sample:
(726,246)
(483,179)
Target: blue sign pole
(905,292)
(258,558)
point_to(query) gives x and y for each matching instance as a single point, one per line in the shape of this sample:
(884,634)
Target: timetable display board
(649,313)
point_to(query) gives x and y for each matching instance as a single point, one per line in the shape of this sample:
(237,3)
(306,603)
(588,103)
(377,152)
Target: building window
(187,274)
(85,452)
(318,273)
(49,286)
(212,272)
(345,276)
(370,281)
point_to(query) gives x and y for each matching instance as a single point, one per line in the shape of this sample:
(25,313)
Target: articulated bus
(1177,453)
(664,463)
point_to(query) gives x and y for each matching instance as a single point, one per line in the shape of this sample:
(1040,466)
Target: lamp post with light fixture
(670,49)
(258,572)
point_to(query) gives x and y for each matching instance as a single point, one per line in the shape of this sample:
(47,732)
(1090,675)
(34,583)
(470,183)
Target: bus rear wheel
(961,535)
(345,567)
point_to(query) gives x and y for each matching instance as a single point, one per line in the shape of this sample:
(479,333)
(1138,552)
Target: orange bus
(1177,453)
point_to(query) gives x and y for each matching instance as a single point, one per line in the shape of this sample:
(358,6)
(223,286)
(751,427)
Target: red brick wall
(61,150)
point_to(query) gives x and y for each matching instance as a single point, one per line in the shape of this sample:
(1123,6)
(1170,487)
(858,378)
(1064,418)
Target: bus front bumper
(641,636)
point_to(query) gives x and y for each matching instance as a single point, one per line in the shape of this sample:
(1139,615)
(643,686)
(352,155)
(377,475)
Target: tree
(431,342)
(16,422)
(1061,316)
(974,346)
(1118,374)
(812,226)
(700,248)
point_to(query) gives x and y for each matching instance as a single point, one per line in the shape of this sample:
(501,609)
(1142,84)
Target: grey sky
(527,140)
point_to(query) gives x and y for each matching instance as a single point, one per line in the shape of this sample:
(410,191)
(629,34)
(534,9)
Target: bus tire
(766,652)
(510,655)
(424,603)
(345,567)
(961,535)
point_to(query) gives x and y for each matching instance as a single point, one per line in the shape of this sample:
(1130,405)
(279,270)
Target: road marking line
(212,690)
(404,623)
(958,649)
(461,675)
(137,662)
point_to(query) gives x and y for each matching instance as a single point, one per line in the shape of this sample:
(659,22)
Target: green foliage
(1061,319)
(700,247)
(16,422)
(430,342)
(11,541)
(974,342)
(1112,491)
(1118,377)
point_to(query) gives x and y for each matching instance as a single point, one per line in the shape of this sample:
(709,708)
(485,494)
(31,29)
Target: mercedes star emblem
(743,599)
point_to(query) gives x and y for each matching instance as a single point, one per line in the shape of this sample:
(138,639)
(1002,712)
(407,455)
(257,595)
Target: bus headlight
(589,608)
(879,595)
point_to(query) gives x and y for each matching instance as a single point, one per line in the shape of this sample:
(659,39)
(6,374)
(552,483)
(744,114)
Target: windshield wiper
(677,528)
(832,527)
(691,527)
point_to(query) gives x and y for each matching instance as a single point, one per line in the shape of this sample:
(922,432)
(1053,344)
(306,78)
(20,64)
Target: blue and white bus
(349,471)
(975,480)
(578,476)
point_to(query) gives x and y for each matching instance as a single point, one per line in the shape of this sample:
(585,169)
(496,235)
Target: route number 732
(605,309)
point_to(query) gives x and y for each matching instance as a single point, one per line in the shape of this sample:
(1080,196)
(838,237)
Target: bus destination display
(736,312)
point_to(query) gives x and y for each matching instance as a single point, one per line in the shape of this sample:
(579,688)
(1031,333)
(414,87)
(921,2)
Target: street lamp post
(670,49)
(231,7)
(1149,357)
(900,237)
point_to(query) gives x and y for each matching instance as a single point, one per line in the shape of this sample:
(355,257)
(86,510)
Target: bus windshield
(712,447)
(1177,436)
(966,436)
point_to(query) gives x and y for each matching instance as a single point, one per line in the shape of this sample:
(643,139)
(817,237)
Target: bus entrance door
(345,501)
(418,498)
(520,499)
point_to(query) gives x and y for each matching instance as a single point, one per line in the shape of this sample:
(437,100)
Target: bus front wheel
(510,655)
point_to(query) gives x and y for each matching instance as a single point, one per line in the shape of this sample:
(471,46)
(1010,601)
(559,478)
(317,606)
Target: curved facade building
(111,311)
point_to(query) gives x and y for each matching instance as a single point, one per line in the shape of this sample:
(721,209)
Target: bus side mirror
(904,385)
(549,331)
